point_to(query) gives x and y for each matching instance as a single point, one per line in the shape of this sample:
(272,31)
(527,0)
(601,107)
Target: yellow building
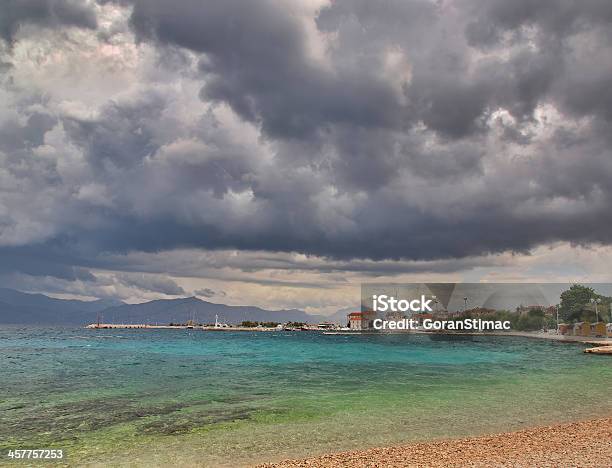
(582,329)
(598,329)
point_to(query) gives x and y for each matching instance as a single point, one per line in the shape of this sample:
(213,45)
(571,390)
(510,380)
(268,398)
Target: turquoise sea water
(223,398)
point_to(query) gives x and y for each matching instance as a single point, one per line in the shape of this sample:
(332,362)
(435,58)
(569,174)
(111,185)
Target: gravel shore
(583,444)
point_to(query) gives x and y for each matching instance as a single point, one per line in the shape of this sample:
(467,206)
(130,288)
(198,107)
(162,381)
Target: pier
(123,326)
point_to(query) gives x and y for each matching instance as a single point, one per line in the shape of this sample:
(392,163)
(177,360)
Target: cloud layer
(349,131)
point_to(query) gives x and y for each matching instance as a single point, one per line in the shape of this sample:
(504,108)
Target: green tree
(269,324)
(249,324)
(550,322)
(574,300)
(532,320)
(295,324)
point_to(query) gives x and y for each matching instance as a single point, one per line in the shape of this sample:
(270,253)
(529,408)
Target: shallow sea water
(231,398)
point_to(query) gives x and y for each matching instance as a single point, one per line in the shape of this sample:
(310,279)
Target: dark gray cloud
(373,130)
(44,13)
(16,136)
(43,261)
(123,134)
(154,283)
(207,292)
(555,19)
(255,59)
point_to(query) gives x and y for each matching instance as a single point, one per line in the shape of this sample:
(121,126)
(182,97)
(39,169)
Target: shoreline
(142,326)
(596,341)
(599,341)
(582,443)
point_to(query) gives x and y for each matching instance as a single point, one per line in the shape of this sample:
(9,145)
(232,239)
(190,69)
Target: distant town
(581,313)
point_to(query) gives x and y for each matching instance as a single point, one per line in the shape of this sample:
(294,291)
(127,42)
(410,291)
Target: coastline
(144,326)
(600,342)
(584,443)
(597,341)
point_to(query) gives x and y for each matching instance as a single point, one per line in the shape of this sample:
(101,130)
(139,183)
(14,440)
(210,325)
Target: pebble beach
(584,444)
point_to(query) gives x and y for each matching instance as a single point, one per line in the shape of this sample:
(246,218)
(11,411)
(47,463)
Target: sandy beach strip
(579,444)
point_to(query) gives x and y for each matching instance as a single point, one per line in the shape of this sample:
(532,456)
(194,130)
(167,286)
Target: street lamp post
(596,301)
(465,299)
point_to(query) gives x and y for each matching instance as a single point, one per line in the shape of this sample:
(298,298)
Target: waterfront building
(598,329)
(565,329)
(395,316)
(418,318)
(361,320)
(326,326)
(582,329)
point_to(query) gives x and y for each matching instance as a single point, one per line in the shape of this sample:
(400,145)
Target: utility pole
(596,301)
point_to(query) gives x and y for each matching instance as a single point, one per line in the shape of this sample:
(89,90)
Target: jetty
(600,350)
(140,326)
(132,325)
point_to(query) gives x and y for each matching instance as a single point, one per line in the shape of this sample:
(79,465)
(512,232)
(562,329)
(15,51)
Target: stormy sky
(277,153)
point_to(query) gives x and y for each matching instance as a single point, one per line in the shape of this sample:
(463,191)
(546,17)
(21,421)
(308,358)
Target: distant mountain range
(181,310)
(23,308)
(17,307)
(340,317)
